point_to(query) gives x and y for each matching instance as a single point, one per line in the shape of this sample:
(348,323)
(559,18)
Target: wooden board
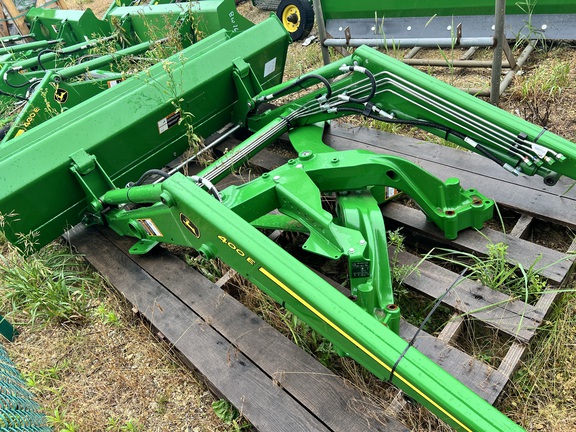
(525,194)
(513,318)
(484,381)
(271,381)
(529,196)
(310,387)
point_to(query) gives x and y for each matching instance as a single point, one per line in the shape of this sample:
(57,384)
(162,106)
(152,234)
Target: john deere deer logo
(61,95)
(190,225)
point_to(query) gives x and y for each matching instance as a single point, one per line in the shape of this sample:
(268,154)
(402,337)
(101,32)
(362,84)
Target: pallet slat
(479,377)
(553,265)
(329,401)
(267,406)
(528,196)
(525,194)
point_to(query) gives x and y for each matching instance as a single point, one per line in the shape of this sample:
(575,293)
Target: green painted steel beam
(137,125)
(407,94)
(182,213)
(342,9)
(73,26)
(196,19)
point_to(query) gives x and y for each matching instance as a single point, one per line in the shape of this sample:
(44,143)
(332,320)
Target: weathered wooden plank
(17,17)
(266,405)
(452,329)
(494,308)
(324,394)
(481,378)
(511,359)
(552,264)
(522,227)
(525,194)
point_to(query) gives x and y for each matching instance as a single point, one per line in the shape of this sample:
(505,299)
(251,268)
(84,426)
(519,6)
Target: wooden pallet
(275,384)
(515,321)
(272,382)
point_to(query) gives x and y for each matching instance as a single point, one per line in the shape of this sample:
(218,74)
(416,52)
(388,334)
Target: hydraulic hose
(148,174)
(298,84)
(449,131)
(26,84)
(373,86)
(3,93)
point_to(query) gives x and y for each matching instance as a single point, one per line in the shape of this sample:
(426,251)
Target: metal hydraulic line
(105,60)
(240,154)
(528,149)
(47,56)
(31,46)
(195,156)
(513,145)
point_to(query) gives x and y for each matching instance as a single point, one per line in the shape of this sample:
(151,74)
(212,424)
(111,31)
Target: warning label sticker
(112,83)
(150,227)
(269,67)
(168,121)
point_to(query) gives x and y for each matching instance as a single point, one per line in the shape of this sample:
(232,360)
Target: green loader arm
(79,172)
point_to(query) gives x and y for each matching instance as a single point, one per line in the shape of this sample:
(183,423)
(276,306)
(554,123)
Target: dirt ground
(113,374)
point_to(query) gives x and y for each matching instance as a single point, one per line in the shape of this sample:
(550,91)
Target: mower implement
(77,167)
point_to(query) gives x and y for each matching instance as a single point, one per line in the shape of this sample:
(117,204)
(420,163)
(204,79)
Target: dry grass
(109,371)
(112,371)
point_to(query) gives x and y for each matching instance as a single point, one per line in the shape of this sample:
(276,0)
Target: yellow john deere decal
(357,344)
(60,95)
(189,225)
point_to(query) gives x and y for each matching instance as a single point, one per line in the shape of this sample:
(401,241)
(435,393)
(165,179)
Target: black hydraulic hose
(298,83)
(41,53)
(147,174)
(449,131)
(69,51)
(3,93)
(370,76)
(5,78)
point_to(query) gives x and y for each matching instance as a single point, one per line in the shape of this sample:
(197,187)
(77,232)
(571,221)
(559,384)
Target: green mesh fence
(18,410)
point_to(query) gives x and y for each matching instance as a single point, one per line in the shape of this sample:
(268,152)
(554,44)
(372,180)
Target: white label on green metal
(168,121)
(269,67)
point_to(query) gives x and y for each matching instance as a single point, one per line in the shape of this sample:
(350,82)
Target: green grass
(52,285)
(495,271)
(542,89)
(542,392)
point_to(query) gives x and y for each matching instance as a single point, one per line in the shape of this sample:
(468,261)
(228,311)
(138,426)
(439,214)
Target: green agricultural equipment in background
(297,16)
(100,161)
(446,23)
(73,55)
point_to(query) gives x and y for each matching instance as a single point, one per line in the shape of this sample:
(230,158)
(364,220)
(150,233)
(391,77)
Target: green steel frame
(64,65)
(335,9)
(75,172)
